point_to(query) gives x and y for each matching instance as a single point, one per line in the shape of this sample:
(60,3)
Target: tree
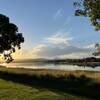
(91,9)
(10,38)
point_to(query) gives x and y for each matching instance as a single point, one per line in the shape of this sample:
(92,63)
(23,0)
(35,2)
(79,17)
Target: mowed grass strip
(15,91)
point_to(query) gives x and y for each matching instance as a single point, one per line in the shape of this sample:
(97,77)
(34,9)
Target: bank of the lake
(43,84)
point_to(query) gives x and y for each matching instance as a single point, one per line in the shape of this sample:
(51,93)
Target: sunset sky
(50,28)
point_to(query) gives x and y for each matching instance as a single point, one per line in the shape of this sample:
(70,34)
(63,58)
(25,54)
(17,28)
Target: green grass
(15,91)
(28,84)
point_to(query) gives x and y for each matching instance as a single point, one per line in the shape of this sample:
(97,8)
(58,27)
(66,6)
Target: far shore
(84,62)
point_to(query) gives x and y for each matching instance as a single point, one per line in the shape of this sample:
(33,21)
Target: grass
(28,84)
(14,91)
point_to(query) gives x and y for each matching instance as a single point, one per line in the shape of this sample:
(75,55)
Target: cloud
(47,51)
(52,45)
(38,49)
(29,53)
(56,46)
(90,46)
(21,54)
(59,38)
(58,14)
(57,52)
(77,55)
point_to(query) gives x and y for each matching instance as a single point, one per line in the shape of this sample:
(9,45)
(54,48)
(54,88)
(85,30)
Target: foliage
(97,52)
(10,38)
(91,9)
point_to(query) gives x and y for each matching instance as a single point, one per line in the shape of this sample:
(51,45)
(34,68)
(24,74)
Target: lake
(50,66)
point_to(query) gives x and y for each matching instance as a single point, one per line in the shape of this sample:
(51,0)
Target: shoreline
(52,72)
(80,83)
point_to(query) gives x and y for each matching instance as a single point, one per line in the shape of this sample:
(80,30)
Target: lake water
(51,66)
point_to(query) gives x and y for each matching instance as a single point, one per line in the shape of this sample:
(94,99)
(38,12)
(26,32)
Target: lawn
(15,91)
(28,84)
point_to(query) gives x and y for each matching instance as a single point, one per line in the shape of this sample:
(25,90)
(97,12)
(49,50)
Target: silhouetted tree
(91,9)
(10,38)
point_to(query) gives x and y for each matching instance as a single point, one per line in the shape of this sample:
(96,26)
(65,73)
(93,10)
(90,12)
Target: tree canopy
(91,9)
(10,38)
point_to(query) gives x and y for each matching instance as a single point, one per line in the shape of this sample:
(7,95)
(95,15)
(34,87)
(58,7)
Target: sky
(50,29)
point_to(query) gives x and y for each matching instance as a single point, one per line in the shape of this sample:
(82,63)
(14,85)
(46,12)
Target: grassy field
(14,91)
(28,84)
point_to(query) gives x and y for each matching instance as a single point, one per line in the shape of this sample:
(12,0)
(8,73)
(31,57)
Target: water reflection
(51,66)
